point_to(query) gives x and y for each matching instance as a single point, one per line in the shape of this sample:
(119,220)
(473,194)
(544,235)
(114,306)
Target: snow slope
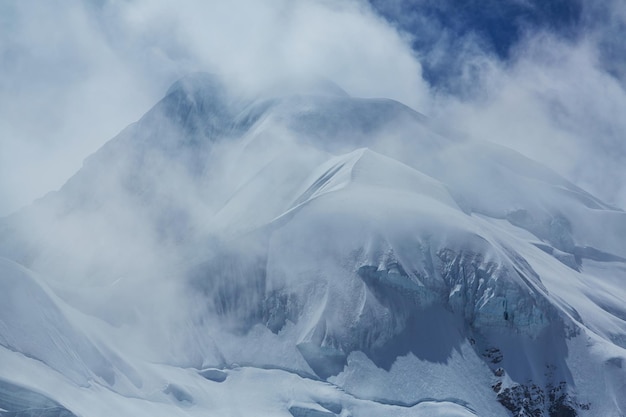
(306,253)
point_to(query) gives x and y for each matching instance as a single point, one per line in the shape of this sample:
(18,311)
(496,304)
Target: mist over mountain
(312,208)
(545,79)
(301,251)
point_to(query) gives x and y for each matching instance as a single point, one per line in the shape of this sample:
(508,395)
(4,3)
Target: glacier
(302,252)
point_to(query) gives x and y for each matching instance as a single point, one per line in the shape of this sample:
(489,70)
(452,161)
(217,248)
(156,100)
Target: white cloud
(64,91)
(76,73)
(554,103)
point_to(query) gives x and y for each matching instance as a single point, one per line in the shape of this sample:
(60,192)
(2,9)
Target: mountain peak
(197,105)
(198,84)
(319,235)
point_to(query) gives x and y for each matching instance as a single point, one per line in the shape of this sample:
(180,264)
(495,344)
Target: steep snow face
(390,269)
(32,323)
(39,325)
(367,263)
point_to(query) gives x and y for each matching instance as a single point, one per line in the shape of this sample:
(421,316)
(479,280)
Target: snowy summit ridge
(328,255)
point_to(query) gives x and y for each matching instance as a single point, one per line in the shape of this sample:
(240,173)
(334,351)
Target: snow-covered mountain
(303,252)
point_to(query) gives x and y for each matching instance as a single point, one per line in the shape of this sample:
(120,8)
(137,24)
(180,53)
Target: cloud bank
(546,79)
(550,84)
(76,73)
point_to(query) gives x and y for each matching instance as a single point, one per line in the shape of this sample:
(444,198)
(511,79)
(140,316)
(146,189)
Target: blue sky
(497,27)
(545,78)
(494,26)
